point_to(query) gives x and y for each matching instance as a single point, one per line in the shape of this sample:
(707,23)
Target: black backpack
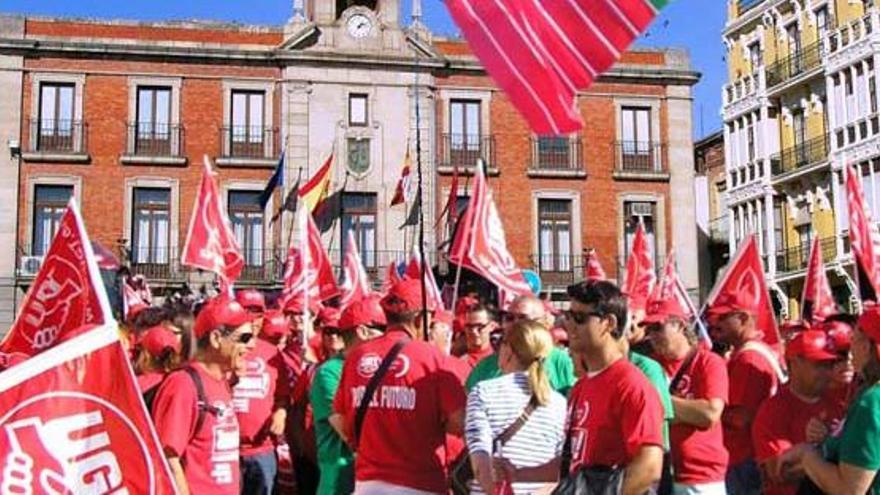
(150,396)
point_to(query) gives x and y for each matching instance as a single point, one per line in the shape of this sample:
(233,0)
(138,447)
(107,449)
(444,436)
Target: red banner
(73,422)
(640,277)
(308,270)
(355,283)
(414,270)
(817,301)
(66,294)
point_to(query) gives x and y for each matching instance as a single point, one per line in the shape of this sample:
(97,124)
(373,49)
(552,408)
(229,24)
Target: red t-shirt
(263,384)
(210,455)
(752,381)
(148,380)
(700,456)
(613,414)
(405,423)
(781,423)
(474,357)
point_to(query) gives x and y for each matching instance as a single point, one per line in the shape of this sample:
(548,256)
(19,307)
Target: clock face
(359,25)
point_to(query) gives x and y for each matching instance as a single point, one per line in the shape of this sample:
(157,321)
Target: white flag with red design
(670,286)
(308,272)
(745,285)
(73,421)
(640,277)
(414,270)
(355,283)
(864,238)
(817,302)
(67,293)
(210,242)
(480,244)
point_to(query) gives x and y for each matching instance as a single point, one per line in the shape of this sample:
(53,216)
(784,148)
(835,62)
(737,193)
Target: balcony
(461,151)
(56,141)
(640,160)
(263,265)
(248,146)
(744,94)
(800,156)
(156,263)
(558,270)
(150,143)
(556,157)
(856,131)
(849,42)
(377,261)
(796,258)
(799,63)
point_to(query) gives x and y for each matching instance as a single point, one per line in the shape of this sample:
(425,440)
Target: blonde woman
(523,391)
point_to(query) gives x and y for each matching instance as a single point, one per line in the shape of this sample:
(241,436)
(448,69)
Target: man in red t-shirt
(416,403)
(260,398)
(615,414)
(755,373)
(699,386)
(193,410)
(781,422)
(478,326)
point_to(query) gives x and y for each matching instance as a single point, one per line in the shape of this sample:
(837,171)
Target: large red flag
(210,243)
(308,273)
(480,245)
(414,270)
(745,283)
(670,287)
(541,53)
(72,421)
(817,302)
(355,283)
(640,276)
(67,293)
(864,238)
(592,268)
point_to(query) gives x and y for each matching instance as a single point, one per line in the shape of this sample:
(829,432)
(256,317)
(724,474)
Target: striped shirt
(495,404)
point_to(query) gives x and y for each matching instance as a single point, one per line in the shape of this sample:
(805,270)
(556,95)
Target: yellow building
(800,102)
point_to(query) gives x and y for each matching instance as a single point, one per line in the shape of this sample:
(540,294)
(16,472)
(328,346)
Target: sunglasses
(580,317)
(243,338)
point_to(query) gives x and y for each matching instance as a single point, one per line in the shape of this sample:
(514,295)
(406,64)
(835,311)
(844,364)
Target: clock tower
(361,25)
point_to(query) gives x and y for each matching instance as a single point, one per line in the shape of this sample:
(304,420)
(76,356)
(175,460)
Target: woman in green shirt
(848,462)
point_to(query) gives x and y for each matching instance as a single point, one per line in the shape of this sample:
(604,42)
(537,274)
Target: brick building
(120,113)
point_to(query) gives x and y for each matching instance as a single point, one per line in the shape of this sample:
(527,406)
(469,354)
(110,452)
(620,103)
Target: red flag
(593,269)
(73,421)
(308,273)
(355,283)
(210,243)
(817,302)
(403,191)
(315,191)
(670,286)
(414,270)
(480,245)
(640,277)
(745,284)
(66,294)
(864,238)
(392,276)
(541,53)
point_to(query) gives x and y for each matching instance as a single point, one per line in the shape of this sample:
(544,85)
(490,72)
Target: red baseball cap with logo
(731,302)
(156,340)
(839,333)
(366,311)
(220,312)
(251,299)
(328,317)
(659,310)
(405,296)
(813,345)
(275,325)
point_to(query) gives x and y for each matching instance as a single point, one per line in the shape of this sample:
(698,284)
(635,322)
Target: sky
(691,24)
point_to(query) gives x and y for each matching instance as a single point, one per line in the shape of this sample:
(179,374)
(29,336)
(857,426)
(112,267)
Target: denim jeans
(744,479)
(258,473)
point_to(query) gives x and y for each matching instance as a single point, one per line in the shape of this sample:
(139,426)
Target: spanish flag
(315,191)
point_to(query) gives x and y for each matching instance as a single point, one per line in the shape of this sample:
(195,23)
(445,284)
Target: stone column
(681,182)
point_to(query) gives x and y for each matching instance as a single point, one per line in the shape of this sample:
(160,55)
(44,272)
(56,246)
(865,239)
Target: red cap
(366,311)
(220,312)
(251,299)
(790,328)
(275,325)
(813,345)
(559,335)
(405,296)
(444,317)
(658,311)
(297,305)
(156,340)
(730,302)
(328,317)
(839,333)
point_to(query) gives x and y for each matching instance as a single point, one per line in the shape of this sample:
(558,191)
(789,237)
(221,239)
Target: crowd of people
(253,394)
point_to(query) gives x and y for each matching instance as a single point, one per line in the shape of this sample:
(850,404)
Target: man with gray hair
(560,369)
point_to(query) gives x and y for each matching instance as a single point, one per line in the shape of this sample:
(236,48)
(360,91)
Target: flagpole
(479,169)
(419,191)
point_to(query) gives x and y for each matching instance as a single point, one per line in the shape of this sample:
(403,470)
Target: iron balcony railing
(57,136)
(640,157)
(800,155)
(155,139)
(248,142)
(558,270)
(804,60)
(556,154)
(156,263)
(796,258)
(463,150)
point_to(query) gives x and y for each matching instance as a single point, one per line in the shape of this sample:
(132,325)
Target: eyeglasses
(243,338)
(580,317)
(476,326)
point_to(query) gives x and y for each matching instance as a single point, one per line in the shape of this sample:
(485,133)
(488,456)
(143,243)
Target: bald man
(560,369)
